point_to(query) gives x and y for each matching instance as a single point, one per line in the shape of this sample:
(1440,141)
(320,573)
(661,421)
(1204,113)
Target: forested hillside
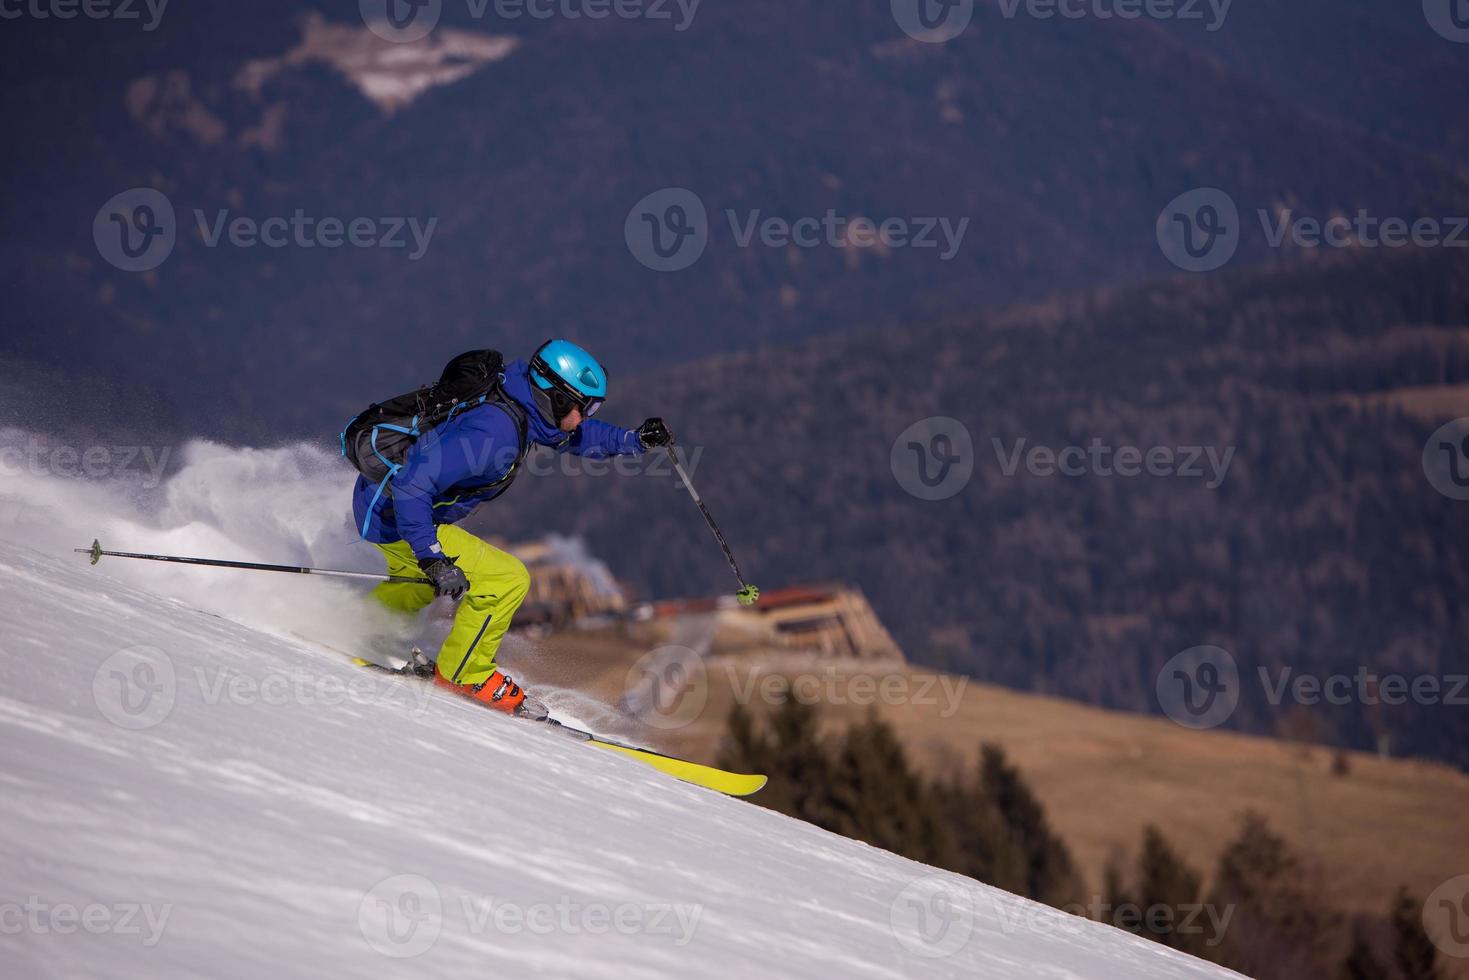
(1323,547)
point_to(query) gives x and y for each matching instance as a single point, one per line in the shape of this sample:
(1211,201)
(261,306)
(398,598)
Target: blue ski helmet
(563,377)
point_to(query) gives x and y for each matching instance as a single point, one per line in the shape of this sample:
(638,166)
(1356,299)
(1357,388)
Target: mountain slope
(263,830)
(1323,548)
(1058,141)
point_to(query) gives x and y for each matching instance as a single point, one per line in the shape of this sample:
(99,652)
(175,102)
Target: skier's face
(571,421)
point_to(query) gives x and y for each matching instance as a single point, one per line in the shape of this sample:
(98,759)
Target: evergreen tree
(1413,949)
(1361,962)
(1164,881)
(1050,873)
(1281,926)
(792,754)
(878,798)
(987,851)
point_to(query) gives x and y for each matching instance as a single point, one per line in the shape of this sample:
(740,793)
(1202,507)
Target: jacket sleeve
(476,450)
(598,440)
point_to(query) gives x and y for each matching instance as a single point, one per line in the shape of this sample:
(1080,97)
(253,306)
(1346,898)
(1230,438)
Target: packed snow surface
(188,792)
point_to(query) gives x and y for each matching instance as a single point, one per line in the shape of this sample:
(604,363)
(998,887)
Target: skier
(458,465)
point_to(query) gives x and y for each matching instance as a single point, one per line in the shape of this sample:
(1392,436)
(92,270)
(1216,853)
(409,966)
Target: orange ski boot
(499,692)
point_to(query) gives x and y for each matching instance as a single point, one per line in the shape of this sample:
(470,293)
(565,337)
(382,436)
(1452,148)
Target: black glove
(447,577)
(654,433)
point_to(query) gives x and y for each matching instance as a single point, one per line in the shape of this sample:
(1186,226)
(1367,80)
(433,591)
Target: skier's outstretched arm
(598,440)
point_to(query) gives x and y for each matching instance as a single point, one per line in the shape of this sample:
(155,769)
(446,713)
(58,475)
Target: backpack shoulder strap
(513,408)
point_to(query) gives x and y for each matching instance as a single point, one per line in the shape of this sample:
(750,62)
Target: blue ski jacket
(455,467)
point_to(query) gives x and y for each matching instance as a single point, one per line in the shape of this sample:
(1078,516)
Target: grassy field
(1101,774)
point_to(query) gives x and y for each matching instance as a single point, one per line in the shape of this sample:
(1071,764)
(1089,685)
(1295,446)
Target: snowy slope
(186,795)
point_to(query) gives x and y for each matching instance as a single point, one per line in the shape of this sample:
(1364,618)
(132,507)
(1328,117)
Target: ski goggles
(560,396)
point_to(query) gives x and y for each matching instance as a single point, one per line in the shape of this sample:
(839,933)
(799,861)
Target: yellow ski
(731,783)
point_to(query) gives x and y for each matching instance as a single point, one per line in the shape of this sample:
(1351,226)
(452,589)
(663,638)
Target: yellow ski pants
(498,582)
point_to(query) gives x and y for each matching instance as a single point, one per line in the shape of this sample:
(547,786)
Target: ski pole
(747,593)
(96,552)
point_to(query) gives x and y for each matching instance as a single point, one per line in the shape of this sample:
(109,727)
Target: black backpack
(376,440)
